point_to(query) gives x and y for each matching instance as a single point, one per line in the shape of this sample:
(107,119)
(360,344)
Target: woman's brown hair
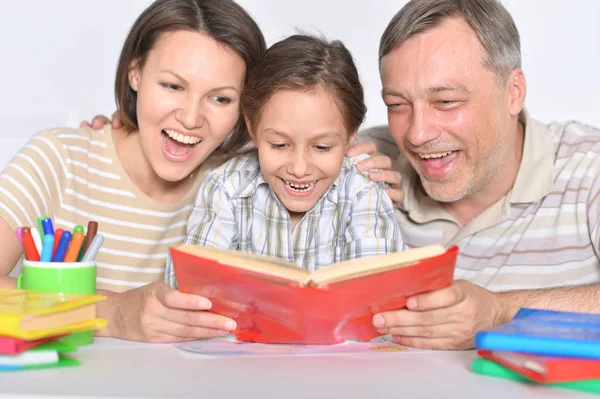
(303,62)
(223,20)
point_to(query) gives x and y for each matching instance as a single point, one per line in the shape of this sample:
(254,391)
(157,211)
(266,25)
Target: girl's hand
(158,313)
(381,167)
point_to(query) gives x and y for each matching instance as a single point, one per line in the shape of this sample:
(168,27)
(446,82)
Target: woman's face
(188,98)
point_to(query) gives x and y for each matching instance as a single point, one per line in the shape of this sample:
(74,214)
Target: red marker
(57,235)
(31,252)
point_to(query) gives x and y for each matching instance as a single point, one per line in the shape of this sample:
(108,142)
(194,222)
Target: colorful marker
(57,235)
(31,252)
(63,245)
(18,233)
(35,234)
(82,249)
(47,247)
(47,227)
(78,229)
(92,230)
(93,248)
(74,247)
(41,229)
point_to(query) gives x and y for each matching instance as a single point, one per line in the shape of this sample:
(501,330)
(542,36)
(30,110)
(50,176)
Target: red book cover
(546,369)
(269,309)
(13,346)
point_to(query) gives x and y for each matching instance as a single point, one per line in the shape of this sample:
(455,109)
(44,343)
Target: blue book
(546,332)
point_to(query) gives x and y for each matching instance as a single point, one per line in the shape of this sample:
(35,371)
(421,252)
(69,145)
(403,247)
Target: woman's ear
(249,128)
(134,75)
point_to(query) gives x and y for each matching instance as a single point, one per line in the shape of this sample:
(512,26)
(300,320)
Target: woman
(178,87)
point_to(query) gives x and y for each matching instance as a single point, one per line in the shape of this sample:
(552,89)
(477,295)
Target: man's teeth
(438,155)
(182,138)
(300,187)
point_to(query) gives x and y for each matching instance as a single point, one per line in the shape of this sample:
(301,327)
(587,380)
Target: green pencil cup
(61,277)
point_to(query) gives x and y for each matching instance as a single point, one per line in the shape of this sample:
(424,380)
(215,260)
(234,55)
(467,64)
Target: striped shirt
(73,176)
(237,210)
(543,233)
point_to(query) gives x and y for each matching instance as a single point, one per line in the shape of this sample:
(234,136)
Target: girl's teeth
(182,138)
(300,187)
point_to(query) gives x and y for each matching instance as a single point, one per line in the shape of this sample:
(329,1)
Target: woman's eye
(221,100)
(171,86)
(277,146)
(323,148)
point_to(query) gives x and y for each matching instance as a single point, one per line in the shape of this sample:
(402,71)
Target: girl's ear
(249,128)
(134,75)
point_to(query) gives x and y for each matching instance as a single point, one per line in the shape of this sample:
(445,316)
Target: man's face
(448,114)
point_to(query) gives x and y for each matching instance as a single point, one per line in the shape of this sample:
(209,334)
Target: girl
(297,196)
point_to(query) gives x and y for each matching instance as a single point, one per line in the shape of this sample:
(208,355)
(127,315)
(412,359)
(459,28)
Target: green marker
(40,227)
(77,229)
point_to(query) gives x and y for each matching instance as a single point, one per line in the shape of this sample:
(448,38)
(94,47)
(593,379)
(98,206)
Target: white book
(30,358)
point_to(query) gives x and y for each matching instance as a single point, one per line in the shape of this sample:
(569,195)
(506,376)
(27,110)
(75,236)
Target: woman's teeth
(300,187)
(182,138)
(438,155)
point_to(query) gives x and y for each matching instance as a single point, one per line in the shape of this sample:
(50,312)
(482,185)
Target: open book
(274,301)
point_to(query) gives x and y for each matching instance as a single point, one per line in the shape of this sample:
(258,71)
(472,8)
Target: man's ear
(249,128)
(517,86)
(134,75)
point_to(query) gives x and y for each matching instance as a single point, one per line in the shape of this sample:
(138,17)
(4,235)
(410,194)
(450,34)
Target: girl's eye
(323,148)
(171,86)
(277,146)
(221,100)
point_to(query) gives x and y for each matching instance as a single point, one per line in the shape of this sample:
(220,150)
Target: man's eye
(171,86)
(221,100)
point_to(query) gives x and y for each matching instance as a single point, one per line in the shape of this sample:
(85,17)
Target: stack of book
(31,325)
(558,349)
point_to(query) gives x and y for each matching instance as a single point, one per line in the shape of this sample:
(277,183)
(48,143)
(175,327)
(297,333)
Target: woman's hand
(100,120)
(158,313)
(381,167)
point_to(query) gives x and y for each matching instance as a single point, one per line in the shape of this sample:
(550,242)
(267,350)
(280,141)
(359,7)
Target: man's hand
(100,120)
(383,169)
(444,319)
(158,313)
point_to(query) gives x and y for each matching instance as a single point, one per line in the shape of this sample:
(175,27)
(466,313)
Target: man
(520,199)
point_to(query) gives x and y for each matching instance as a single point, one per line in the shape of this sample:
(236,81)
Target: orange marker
(31,252)
(74,247)
(57,235)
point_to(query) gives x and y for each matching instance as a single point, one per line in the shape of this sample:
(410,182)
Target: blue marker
(47,226)
(47,247)
(63,245)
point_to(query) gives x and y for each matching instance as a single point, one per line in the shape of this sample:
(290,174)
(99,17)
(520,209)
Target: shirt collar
(534,180)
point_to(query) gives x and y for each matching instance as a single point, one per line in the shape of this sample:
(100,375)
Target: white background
(59,57)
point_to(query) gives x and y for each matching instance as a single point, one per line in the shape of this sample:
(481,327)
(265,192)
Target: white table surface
(121,369)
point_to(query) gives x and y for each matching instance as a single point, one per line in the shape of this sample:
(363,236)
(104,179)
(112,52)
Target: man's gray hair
(491,22)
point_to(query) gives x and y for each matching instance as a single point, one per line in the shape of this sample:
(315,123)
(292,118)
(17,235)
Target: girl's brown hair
(222,20)
(306,63)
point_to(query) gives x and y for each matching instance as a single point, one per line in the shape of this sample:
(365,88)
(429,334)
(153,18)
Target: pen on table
(47,227)
(31,252)
(47,247)
(18,233)
(63,245)
(57,235)
(92,230)
(41,231)
(74,247)
(94,247)
(35,234)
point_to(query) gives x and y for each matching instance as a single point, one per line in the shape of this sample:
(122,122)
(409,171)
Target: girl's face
(188,94)
(301,140)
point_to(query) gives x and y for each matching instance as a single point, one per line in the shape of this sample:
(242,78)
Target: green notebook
(487,367)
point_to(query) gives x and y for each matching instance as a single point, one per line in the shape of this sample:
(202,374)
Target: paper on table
(228,346)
